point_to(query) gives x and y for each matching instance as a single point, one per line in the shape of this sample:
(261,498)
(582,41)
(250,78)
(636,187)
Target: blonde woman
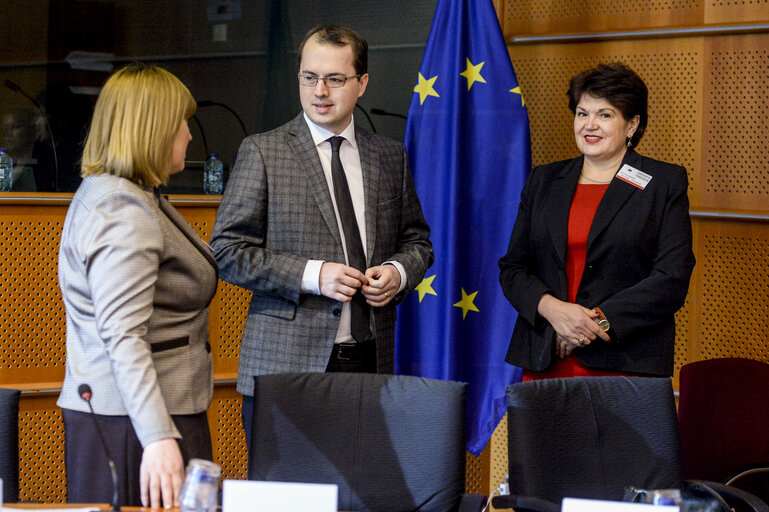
(136,282)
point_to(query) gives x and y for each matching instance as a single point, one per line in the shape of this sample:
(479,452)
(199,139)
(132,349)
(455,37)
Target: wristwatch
(603,323)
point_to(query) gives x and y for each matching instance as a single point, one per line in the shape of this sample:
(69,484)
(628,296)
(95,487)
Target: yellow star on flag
(426,287)
(467,303)
(473,74)
(518,91)
(425,88)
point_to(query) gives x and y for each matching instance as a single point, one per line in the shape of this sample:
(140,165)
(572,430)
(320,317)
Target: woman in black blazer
(600,256)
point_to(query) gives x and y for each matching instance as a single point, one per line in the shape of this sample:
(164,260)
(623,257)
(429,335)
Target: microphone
(85,393)
(380,112)
(17,89)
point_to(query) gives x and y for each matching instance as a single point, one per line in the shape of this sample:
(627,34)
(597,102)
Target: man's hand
(383,284)
(340,282)
(161,474)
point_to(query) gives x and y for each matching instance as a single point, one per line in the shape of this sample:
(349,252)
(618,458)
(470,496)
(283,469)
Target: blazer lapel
(369,163)
(615,197)
(561,193)
(176,218)
(301,144)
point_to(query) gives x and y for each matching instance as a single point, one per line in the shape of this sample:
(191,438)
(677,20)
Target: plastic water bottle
(666,497)
(200,491)
(213,175)
(6,171)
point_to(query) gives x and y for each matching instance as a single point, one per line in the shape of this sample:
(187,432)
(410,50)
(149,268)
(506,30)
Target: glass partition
(237,57)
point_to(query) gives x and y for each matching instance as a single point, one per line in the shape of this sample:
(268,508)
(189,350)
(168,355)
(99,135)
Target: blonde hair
(138,113)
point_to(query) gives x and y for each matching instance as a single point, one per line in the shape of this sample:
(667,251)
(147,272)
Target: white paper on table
(247,496)
(582,505)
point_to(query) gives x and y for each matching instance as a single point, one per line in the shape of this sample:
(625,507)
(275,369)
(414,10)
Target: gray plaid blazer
(136,281)
(277,213)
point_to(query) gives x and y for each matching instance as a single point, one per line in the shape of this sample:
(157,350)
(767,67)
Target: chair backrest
(389,442)
(723,414)
(590,437)
(9,444)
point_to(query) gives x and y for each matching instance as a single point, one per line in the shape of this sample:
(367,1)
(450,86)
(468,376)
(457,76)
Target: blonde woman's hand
(161,474)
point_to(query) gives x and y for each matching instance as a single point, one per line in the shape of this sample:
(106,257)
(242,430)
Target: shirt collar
(320,135)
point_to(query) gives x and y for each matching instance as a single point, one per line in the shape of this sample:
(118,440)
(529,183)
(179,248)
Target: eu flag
(467,137)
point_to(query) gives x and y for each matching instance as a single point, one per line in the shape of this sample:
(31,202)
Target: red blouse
(583,207)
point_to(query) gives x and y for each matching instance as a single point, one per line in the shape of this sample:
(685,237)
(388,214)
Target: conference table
(82,507)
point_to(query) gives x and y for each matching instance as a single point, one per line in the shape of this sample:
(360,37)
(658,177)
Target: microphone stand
(380,112)
(357,105)
(85,394)
(207,103)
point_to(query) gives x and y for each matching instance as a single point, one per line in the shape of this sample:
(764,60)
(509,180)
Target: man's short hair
(339,35)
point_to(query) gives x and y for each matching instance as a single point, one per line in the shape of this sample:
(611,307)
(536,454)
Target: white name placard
(247,496)
(582,505)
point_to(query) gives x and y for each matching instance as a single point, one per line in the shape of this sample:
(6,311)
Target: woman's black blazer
(637,270)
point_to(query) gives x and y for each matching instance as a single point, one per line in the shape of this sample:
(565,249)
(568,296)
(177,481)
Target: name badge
(634,176)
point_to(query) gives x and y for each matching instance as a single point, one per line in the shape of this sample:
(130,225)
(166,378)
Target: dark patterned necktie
(359,309)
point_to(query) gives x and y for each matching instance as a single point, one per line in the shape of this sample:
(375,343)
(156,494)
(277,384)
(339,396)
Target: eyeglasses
(333,81)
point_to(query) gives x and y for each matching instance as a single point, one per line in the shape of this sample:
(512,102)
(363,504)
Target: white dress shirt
(350,157)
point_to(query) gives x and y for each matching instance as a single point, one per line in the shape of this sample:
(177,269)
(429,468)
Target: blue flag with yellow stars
(467,137)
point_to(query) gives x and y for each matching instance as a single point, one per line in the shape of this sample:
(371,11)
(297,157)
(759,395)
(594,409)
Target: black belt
(352,351)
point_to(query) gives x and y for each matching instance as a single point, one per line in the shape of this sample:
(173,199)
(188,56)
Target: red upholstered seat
(723,416)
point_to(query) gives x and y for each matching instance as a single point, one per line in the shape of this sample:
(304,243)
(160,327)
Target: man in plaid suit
(280,234)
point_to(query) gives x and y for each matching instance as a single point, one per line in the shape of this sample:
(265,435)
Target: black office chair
(9,444)
(391,443)
(589,437)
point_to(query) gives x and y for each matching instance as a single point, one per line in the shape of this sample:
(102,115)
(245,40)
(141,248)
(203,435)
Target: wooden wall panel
(538,17)
(41,449)
(736,11)
(547,17)
(31,310)
(229,439)
(476,473)
(735,120)
(498,455)
(228,319)
(730,316)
